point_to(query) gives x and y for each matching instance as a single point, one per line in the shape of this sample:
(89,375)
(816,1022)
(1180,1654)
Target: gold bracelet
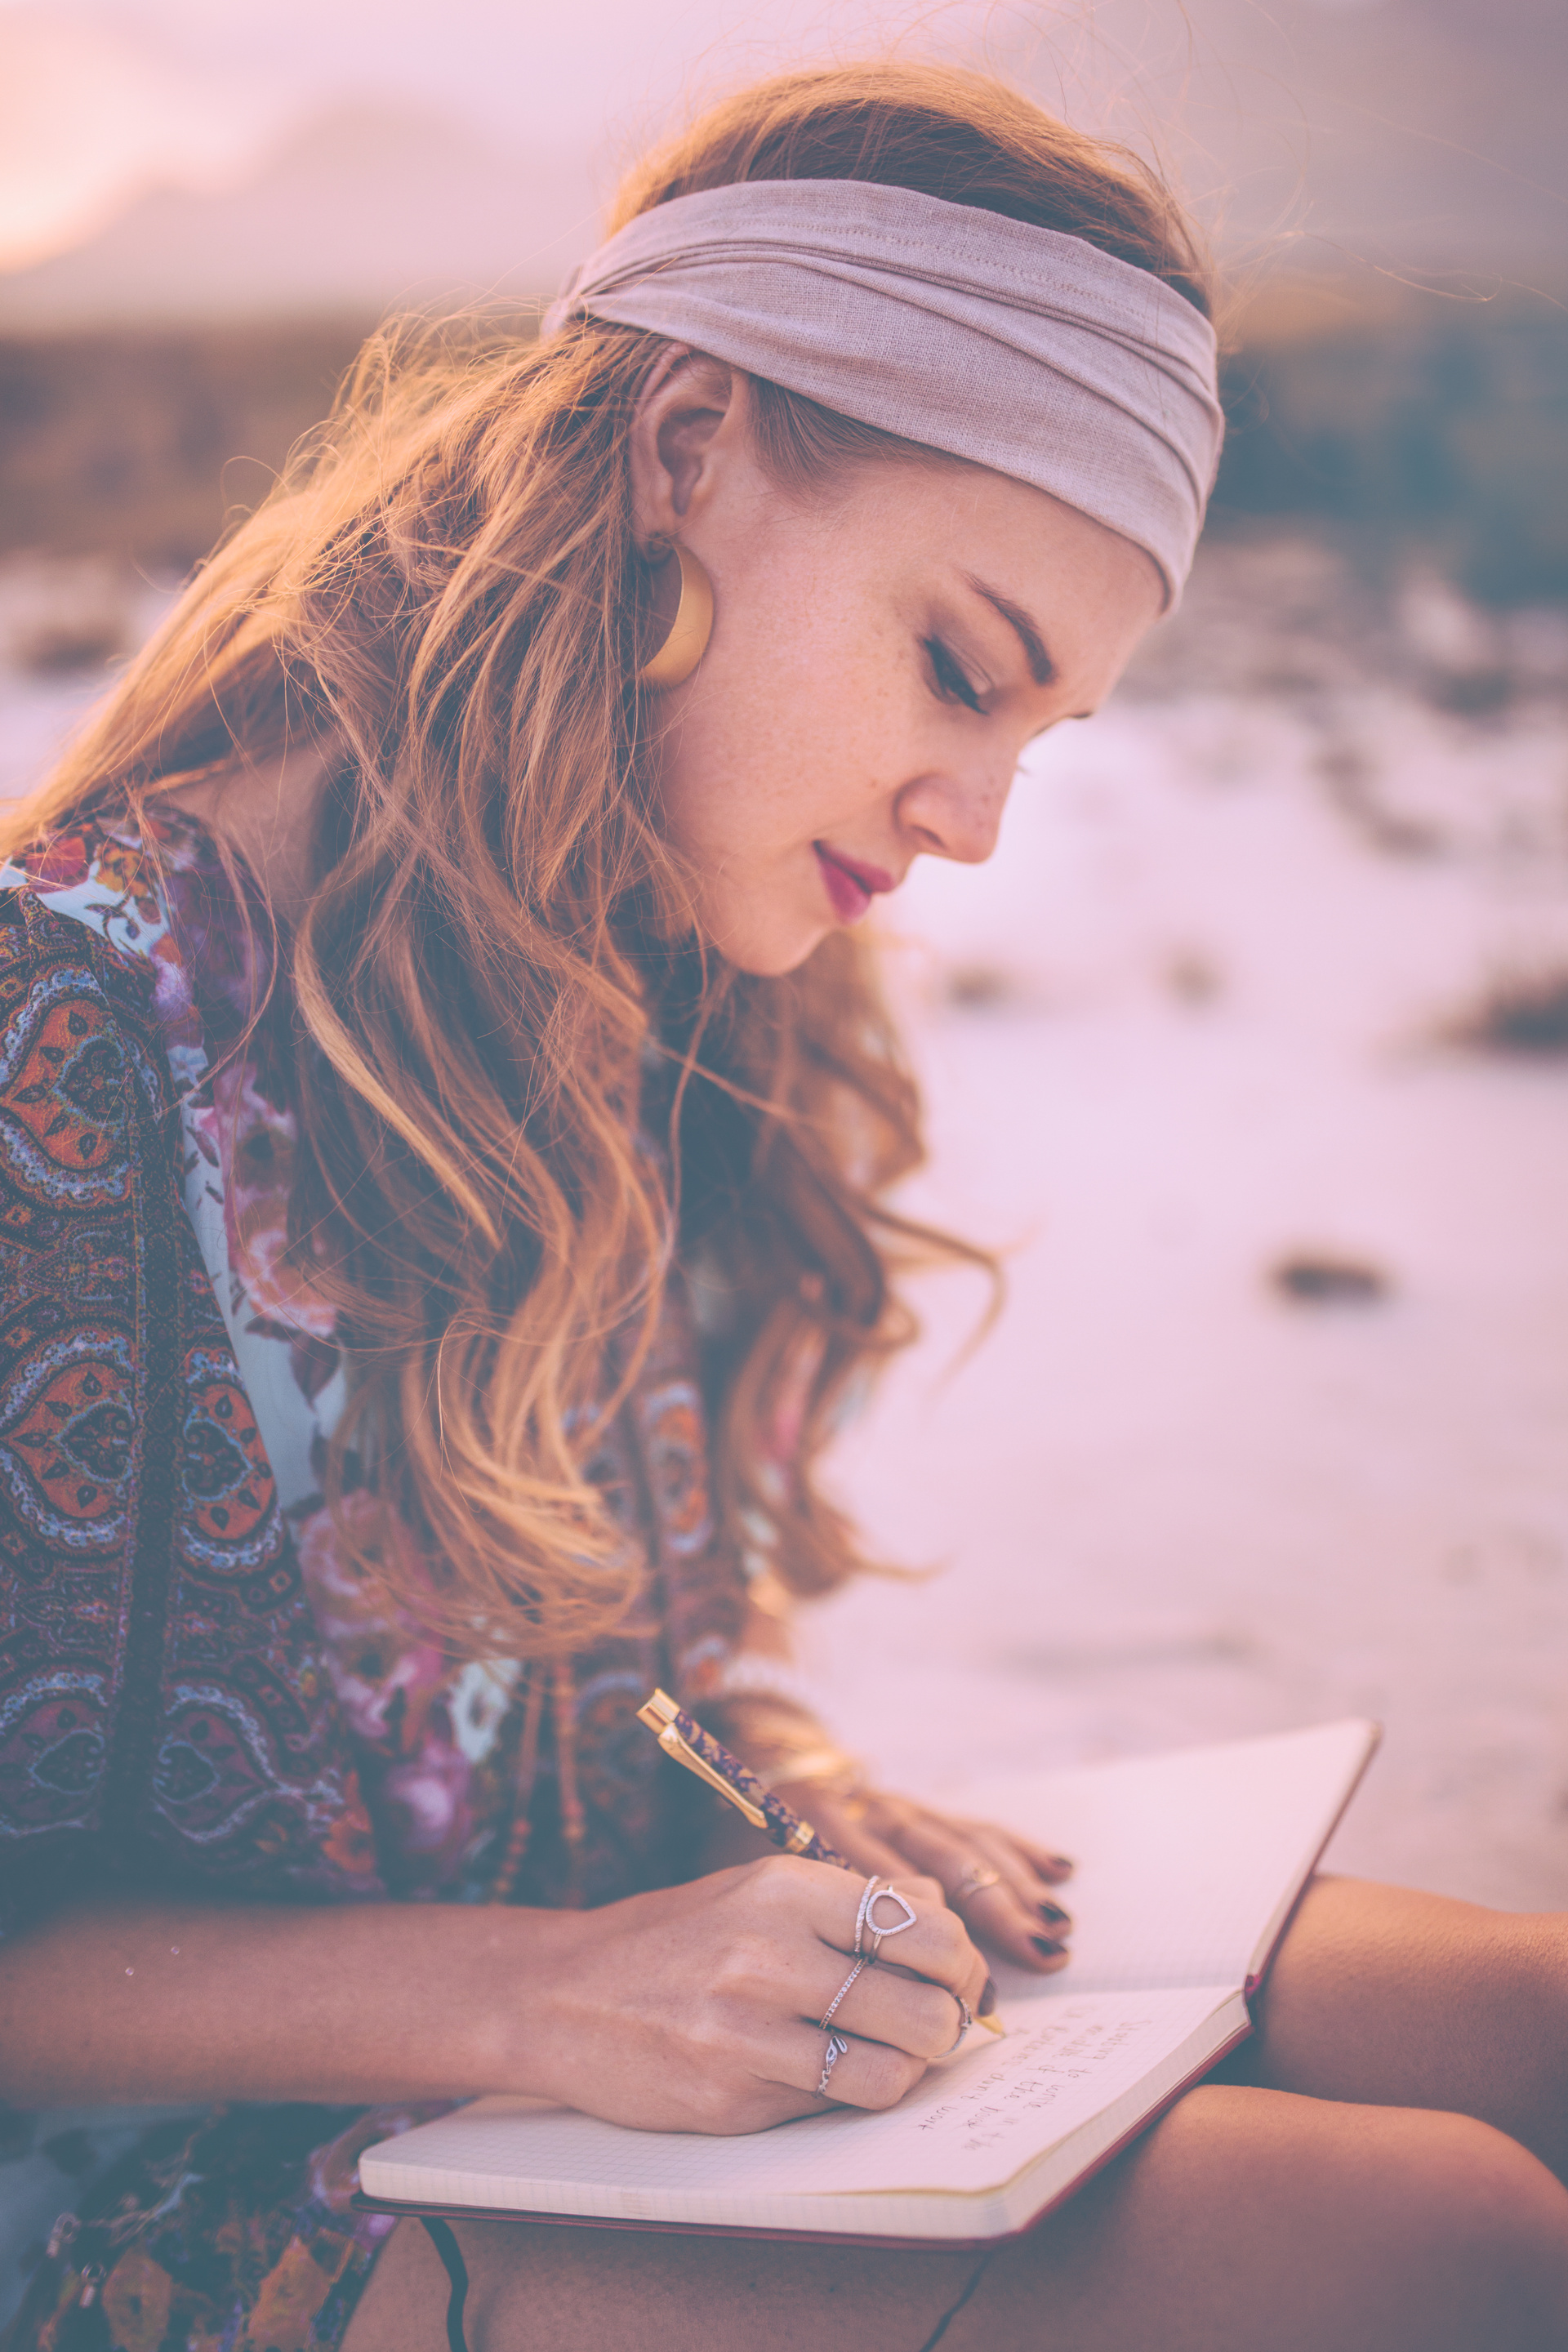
(812,1764)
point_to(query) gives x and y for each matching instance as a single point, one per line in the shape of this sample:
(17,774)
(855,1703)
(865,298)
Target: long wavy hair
(496,958)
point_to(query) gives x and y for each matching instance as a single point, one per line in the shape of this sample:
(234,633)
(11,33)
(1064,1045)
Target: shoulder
(67,940)
(145,887)
(110,872)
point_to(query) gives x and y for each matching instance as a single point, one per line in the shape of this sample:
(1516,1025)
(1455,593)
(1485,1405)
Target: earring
(690,631)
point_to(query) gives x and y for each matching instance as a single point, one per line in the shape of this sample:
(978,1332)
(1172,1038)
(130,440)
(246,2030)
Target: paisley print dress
(195,1692)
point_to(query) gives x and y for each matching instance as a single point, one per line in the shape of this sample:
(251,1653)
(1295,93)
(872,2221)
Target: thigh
(1246,2219)
(534,2288)
(1253,2220)
(1381,1995)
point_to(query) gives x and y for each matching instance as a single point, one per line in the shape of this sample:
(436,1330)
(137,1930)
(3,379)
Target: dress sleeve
(165,1718)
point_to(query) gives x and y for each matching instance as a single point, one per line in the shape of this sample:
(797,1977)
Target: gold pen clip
(659,1713)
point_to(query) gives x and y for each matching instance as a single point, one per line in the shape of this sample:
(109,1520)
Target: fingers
(864,1827)
(851,1828)
(935,1945)
(928,1948)
(1016,1913)
(863,2074)
(1052,1867)
(992,1912)
(909,2013)
(1030,1937)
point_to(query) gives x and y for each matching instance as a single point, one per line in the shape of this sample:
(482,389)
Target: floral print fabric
(193,1683)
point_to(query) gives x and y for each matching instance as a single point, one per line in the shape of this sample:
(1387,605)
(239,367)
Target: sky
(1421,132)
(186,93)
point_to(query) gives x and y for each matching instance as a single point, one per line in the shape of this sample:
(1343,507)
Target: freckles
(876,737)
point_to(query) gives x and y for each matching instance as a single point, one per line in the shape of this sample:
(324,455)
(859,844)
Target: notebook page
(1186,1863)
(1062,2063)
(969,2125)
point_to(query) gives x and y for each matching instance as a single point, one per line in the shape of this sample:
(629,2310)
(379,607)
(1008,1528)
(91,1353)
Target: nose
(956,817)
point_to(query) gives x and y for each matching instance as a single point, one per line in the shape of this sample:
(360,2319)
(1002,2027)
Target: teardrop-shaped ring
(879,1935)
(867,1895)
(689,631)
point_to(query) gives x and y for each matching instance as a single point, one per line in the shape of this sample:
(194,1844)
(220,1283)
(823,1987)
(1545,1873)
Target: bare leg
(1257,2221)
(1248,2218)
(1390,1998)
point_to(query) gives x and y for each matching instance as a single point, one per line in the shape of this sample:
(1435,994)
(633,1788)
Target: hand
(1017,1917)
(696,2007)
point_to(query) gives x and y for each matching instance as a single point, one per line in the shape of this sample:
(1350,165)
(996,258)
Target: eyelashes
(953,684)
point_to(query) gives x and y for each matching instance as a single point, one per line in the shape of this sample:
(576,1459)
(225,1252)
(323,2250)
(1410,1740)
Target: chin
(769,956)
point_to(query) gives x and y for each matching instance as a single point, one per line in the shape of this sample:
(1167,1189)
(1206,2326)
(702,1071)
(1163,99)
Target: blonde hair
(443,591)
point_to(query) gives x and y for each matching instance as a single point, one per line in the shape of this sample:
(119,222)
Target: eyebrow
(1042,668)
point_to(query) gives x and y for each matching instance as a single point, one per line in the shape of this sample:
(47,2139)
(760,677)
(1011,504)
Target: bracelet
(812,1764)
(776,1730)
(753,1677)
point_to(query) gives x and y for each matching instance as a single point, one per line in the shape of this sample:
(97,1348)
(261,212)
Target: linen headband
(1034,353)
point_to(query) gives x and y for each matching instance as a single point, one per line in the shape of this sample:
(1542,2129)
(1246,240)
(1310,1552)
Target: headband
(1034,353)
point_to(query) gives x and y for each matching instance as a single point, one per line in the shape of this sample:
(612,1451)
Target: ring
(967,2014)
(976,1879)
(826,2018)
(836,2046)
(878,1934)
(867,1896)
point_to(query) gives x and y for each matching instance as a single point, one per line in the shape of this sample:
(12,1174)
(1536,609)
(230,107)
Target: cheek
(784,730)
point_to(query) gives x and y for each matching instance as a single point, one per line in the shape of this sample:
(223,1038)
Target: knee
(1472,2186)
(1420,2228)
(1536,1991)
(1455,2217)
(1391,1997)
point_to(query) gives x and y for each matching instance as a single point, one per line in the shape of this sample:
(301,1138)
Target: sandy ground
(1188,1022)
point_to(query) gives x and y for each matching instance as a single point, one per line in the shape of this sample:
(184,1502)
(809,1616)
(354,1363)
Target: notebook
(1188,1867)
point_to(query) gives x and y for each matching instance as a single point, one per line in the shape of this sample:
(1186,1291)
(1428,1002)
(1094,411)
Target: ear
(689,420)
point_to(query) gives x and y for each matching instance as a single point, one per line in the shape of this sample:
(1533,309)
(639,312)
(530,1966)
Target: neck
(267,813)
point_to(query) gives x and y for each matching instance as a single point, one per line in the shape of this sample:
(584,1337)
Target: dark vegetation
(140,445)
(1521,1013)
(1426,418)
(1321,1278)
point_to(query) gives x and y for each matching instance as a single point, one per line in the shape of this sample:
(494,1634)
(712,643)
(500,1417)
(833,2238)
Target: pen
(682,1736)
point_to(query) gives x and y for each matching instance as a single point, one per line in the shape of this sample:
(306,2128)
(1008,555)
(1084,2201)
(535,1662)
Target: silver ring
(827,2017)
(836,2046)
(867,1896)
(967,2014)
(879,1935)
(975,1880)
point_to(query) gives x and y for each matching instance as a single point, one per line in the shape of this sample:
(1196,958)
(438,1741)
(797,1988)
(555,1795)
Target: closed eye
(952,682)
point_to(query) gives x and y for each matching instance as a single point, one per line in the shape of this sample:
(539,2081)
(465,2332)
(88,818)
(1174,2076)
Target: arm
(159,2001)
(693,2007)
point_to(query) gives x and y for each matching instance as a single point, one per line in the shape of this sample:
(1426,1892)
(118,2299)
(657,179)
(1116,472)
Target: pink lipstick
(850,885)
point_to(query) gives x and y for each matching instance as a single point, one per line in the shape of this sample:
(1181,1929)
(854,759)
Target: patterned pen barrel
(680,1737)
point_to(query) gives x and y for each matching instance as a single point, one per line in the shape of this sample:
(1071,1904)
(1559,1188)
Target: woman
(445,1121)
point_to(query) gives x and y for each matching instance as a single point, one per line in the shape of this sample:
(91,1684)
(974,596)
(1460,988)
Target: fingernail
(1046,1948)
(987,2000)
(1054,1917)
(1062,1862)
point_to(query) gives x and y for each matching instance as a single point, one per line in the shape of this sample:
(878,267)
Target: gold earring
(690,631)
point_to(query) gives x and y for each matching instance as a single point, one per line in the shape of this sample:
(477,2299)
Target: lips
(850,885)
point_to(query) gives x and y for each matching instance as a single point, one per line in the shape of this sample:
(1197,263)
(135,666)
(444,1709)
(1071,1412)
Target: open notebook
(1188,1867)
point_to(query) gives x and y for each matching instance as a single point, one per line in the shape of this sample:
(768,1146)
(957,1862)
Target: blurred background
(1250,1048)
